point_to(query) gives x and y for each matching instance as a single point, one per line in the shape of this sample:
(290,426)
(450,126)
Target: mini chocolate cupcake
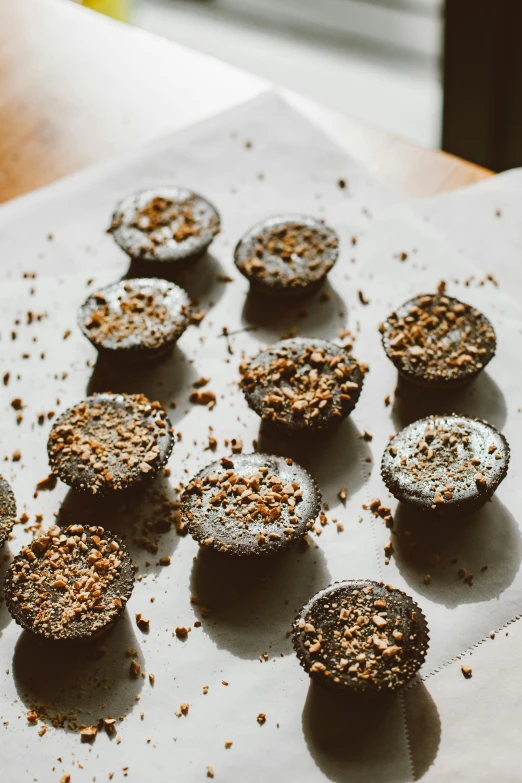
(438,342)
(288,255)
(7,510)
(250,504)
(167,224)
(137,320)
(447,464)
(70,584)
(302,385)
(361,637)
(110,442)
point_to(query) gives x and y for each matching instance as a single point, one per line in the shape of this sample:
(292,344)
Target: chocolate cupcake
(137,320)
(250,504)
(70,584)
(289,255)
(302,385)
(438,342)
(450,465)
(110,442)
(167,224)
(361,637)
(7,510)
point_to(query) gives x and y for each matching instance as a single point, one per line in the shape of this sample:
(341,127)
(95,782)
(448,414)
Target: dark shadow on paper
(481,399)
(145,518)
(5,562)
(199,277)
(322,314)
(439,548)
(166,380)
(424,727)
(336,460)
(253,601)
(70,684)
(361,740)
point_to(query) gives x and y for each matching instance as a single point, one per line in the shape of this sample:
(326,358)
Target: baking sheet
(482,221)
(260,159)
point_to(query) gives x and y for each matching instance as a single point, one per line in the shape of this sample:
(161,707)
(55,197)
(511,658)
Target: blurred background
(377,60)
(442,73)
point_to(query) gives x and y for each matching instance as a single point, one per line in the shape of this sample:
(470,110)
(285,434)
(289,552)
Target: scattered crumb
(466,671)
(236,445)
(48,483)
(142,623)
(134,670)
(203,398)
(88,734)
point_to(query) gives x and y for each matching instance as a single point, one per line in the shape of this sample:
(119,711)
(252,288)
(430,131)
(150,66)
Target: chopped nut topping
(302,383)
(135,314)
(287,253)
(340,635)
(69,583)
(107,441)
(437,338)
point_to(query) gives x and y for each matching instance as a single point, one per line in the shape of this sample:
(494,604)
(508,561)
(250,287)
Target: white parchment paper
(259,159)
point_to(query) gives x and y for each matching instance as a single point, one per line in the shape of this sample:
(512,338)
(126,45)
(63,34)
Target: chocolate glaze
(139,242)
(350,655)
(234,534)
(140,319)
(447,464)
(295,367)
(287,267)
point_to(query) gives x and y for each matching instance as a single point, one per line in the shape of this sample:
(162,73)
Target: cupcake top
(164,224)
(7,510)
(250,504)
(288,253)
(110,442)
(435,340)
(70,583)
(360,636)
(135,316)
(302,384)
(449,464)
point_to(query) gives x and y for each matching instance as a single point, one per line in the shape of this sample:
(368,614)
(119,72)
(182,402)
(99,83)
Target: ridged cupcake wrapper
(327,682)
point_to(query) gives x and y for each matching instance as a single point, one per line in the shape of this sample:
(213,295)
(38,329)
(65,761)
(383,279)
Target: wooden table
(76,87)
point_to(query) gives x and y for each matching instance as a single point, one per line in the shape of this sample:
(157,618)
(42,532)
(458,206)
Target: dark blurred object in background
(482,115)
